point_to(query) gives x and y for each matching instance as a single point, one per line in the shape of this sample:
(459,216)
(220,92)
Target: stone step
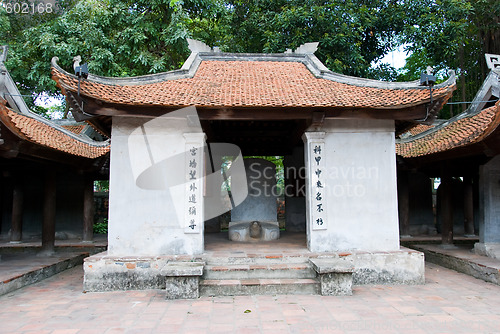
(257,259)
(249,271)
(246,287)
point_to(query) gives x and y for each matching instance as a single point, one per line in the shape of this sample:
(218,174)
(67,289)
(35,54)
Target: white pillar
(351,186)
(156,187)
(194,168)
(316,184)
(489,209)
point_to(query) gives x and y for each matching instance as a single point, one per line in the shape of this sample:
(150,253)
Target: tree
(116,38)
(351,34)
(452,34)
(128,38)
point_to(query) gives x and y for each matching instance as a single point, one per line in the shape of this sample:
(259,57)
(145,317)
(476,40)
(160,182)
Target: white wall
(147,199)
(361,191)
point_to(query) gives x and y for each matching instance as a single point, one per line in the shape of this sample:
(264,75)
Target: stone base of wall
(491,250)
(111,273)
(108,273)
(399,267)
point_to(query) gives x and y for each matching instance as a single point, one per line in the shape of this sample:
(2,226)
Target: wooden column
(404,204)
(88,210)
(49,213)
(468,207)
(446,210)
(17,212)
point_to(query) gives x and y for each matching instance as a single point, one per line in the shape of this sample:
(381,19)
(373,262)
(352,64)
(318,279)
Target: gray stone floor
(20,264)
(449,302)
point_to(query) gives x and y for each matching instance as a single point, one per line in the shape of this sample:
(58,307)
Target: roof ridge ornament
(492,61)
(307,48)
(3,56)
(198,46)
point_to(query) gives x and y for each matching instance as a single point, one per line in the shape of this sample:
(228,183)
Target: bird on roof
(76,62)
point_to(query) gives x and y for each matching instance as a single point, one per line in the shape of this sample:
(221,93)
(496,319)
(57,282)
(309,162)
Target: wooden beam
(88,210)
(404,204)
(49,213)
(102,110)
(95,107)
(468,206)
(17,210)
(446,210)
(318,117)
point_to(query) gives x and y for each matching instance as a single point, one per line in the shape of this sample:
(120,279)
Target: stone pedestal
(491,249)
(335,276)
(182,279)
(253,231)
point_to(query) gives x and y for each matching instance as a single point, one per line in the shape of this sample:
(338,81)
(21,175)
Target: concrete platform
(462,259)
(20,265)
(18,270)
(407,241)
(279,260)
(99,244)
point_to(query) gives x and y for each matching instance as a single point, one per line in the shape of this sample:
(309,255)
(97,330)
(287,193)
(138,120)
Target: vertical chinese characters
(193,211)
(318,186)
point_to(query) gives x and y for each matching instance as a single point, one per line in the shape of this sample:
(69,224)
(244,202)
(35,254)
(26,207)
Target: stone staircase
(259,275)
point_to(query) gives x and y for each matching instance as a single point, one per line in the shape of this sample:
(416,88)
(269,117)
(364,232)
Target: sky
(396,58)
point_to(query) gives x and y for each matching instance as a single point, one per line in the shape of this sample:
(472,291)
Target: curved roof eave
(313,64)
(56,127)
(493,79)
(461,132)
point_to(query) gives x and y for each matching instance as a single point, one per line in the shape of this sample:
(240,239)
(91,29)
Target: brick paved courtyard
(450,302)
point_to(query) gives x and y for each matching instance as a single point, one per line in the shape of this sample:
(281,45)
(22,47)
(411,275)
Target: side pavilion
(340,128)
(464,152)
(47,171)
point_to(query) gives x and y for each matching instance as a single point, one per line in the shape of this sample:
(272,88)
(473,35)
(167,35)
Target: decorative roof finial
(80,70)
(307,48)
(3,56)
(197,46)
(493,61)
(76,62)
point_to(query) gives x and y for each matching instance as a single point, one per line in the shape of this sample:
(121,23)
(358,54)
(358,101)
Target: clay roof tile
(251,84)
(43,134)
(457,133)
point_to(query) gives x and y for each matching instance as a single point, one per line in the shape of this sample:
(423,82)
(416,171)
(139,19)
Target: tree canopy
(128,38)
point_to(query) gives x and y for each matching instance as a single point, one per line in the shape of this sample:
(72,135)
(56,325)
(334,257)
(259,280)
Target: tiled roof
(43,134)
(75,128)
(457,133)
(419,129)
(229,83)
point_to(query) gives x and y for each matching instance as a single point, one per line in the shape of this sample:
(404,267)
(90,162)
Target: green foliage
(116,38)
(451,34)
(129,38)
(383,72)
(101,228)
(351,33)
(101,186)
(439,28)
